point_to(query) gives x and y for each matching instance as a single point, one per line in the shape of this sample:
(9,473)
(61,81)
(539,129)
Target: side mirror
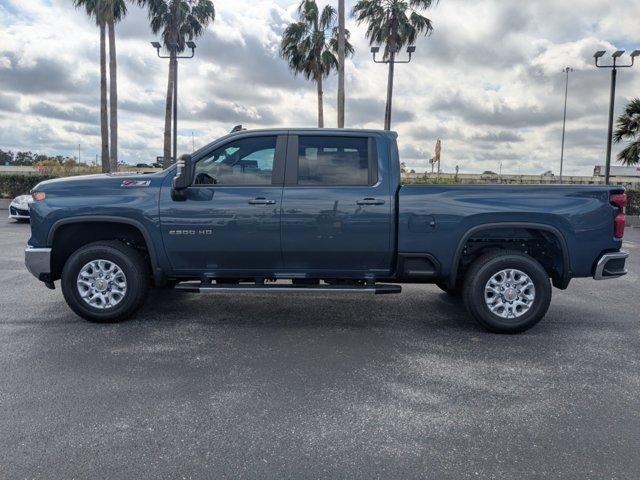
(183,178)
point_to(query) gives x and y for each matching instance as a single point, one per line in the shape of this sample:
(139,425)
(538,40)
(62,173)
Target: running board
(197,287)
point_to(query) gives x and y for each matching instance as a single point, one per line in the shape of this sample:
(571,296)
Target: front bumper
(611,265)
(38,262)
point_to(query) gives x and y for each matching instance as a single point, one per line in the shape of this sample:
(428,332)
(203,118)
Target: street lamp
(566,70)
(173,53)
(614,73)
(391,60)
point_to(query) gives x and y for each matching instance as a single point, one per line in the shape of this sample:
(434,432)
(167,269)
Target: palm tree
(96,9)
(177,21)
(628,128)
(309,46)
(341,60)
(116,10)
(394,24)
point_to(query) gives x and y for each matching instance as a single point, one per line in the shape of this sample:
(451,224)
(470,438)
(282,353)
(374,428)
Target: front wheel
(105,281)
(507,291)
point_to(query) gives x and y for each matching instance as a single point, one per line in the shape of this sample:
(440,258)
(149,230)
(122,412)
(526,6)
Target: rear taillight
(618,226)
(619,200)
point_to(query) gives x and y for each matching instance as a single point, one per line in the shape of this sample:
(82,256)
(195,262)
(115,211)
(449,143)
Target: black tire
(455,292)
(490,264)
(128,260)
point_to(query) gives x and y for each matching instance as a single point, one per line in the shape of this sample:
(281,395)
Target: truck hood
(109,180)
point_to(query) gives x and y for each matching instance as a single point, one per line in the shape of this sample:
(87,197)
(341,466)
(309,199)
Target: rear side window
(334,161)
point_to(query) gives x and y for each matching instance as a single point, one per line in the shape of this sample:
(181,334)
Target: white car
(19,208)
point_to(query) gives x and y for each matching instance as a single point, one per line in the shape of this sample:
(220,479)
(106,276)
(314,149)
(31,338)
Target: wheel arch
(113,220)
(566,260)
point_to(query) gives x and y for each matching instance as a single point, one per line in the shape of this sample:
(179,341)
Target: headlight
(37,197)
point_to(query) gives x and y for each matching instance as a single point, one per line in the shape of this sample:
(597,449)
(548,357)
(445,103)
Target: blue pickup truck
(318,210)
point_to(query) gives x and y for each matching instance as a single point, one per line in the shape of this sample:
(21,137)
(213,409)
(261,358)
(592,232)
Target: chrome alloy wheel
(102,284)
(509,293)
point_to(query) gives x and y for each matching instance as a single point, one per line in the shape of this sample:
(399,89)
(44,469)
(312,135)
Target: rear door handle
(261,201)
(370,201)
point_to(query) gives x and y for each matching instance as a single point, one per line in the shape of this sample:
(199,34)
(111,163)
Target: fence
(632,183)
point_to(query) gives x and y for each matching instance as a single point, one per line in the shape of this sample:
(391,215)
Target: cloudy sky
(489,81)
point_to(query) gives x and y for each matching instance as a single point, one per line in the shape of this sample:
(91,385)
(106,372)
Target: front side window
(247,161)
(333,161)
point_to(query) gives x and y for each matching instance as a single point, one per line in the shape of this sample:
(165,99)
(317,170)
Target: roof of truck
(312,129)
(285,131)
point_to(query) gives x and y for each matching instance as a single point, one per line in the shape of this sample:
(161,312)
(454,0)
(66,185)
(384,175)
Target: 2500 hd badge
(190,232)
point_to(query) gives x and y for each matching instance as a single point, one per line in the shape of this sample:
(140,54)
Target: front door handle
(261,201)
(370,201)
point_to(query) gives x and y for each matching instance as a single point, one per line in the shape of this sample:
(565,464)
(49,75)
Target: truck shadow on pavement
(428,310)
(418,311)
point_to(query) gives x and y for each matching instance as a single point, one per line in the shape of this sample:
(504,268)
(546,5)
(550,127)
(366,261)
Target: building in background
(617,171)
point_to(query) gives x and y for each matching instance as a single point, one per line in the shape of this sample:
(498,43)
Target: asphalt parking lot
(259,386)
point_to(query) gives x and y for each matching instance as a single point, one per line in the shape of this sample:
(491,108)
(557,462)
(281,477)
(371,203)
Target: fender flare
(566,260)
(158,274)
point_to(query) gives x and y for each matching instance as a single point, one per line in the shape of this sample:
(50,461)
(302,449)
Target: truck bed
(436,219)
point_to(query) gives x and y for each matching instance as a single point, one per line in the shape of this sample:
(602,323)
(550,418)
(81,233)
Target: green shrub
(13,185)
(633,205)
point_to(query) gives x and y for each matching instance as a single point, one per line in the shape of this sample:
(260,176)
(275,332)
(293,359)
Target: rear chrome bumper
(611,265)
(38,261)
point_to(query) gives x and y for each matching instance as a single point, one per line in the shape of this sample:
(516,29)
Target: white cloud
(488,81)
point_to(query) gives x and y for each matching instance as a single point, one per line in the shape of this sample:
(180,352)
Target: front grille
(19,211)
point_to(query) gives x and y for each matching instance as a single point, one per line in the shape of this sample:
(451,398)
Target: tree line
(31,159)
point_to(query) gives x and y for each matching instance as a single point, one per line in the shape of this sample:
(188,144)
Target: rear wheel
(105,281)
(507,291)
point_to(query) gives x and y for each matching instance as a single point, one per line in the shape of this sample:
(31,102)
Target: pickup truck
(318,210)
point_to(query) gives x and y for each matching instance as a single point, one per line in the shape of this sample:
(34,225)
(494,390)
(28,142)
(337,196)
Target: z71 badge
(135,183)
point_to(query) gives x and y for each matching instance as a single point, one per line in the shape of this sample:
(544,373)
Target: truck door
(336,206)
(230,221)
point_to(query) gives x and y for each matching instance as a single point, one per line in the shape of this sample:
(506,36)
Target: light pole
(391,61)
(566,70)
(173,53)
(614,73)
